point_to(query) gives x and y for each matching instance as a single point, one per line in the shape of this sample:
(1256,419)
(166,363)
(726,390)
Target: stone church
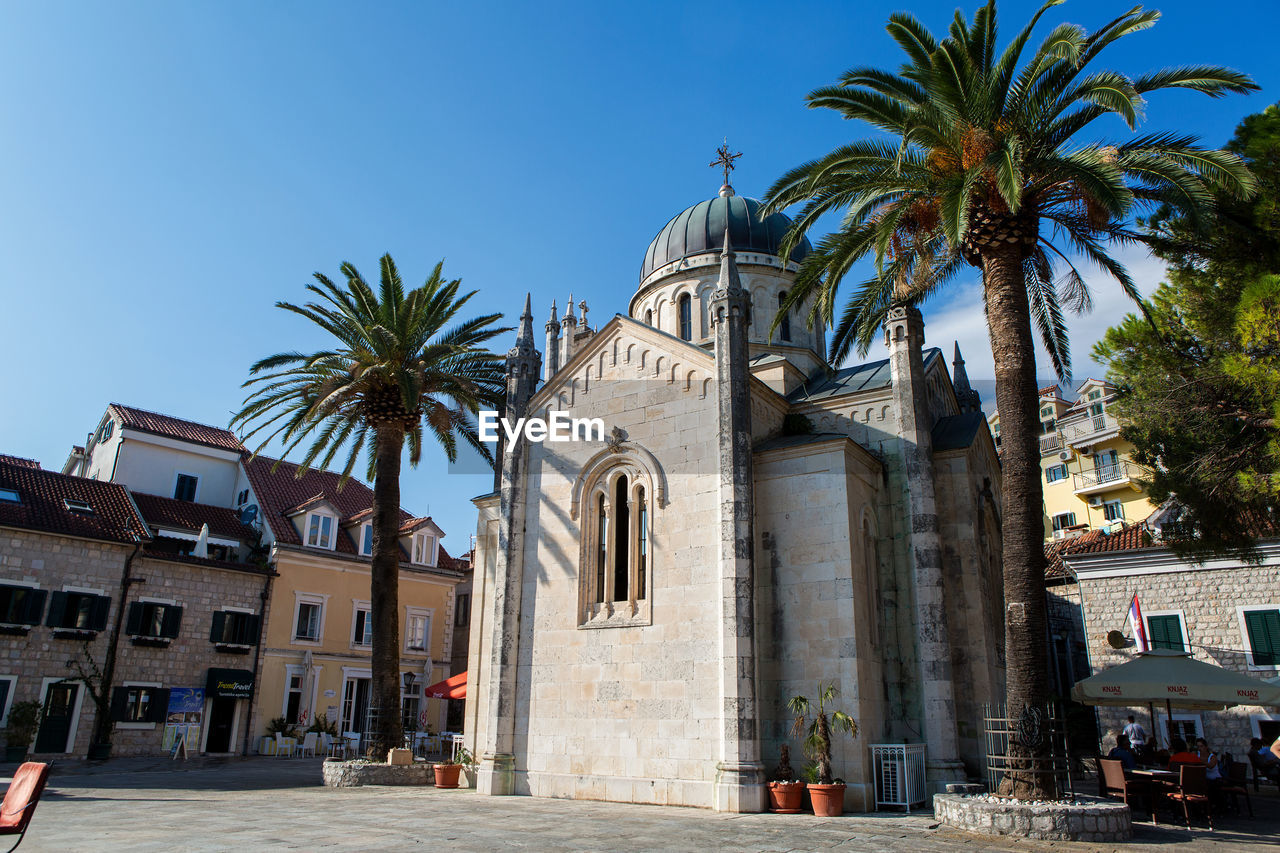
(755,523)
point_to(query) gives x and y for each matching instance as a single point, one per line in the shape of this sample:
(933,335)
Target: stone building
(754,522)
(300,647)
(1224,611)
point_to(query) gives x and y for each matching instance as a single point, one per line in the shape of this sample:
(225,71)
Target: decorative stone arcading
(1089,820)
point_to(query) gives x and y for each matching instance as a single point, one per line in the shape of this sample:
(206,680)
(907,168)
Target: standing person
(1137,736)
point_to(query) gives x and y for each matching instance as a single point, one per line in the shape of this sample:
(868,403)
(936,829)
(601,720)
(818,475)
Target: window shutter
(158,710)
(1157,628)
(133,622)
(98,618)
(119,704)
(250,629)
(172,621)
(33,606)
(1263,627)
(219,626)
(57,610)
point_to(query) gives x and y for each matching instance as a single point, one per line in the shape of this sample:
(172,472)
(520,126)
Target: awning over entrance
(230,683)
(453,687)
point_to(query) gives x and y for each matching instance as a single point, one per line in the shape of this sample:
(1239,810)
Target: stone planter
(354,774)
(828,800)
(1086,819)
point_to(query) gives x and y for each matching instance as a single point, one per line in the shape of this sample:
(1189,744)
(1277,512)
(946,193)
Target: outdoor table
(1159,782)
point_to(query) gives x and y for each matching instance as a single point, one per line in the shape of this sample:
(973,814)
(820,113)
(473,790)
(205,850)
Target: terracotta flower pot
(447,775)
(786,797)
(828,800)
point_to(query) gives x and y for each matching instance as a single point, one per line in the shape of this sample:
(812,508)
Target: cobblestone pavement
(269,804)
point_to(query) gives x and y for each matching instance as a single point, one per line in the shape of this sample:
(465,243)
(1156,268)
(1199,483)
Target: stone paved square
(144,805)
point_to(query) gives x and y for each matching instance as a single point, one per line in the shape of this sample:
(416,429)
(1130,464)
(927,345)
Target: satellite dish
(1117,639)
(249,514)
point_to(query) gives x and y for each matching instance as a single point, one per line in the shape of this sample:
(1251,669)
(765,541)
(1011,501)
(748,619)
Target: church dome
(701,228)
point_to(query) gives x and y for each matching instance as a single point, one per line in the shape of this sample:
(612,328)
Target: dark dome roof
(701,229)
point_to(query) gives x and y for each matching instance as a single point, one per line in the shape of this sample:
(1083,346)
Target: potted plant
(786,792)
(468,761)
(818,722)
(447,774)
(24,719)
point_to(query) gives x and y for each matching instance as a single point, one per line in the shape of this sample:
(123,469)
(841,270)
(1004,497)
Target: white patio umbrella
(308,681)
(202,543)
(1175,678)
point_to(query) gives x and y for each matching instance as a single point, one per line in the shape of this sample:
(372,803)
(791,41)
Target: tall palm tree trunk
(1022,522)
(384,593)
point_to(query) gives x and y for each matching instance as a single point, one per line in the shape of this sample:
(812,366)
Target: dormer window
(424,549)
(77,506)
(319,530)
(366,539)
(10,496)
(107,429)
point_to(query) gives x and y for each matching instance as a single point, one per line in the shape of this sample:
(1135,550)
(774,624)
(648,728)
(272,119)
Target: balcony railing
(1085,429)
(1119,472)
(1050,443)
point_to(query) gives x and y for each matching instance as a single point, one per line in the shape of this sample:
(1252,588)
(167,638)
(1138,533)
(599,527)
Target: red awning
(453,687)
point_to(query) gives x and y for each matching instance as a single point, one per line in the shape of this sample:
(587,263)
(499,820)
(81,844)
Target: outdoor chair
(352,743)
(1114,784)
(308,745)
(20,800)
(1237,783)
(285,746)
(1192,789)
(1261,771)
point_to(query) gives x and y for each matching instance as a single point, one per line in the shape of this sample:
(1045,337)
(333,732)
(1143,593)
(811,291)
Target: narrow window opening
(686,318)
(602,547)
(621,530)
(642,543)
(784,330)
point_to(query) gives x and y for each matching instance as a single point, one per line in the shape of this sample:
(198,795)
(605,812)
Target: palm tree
(982,167)
(396,367)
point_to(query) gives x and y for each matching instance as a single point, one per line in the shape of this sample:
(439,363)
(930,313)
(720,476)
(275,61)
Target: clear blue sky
(169,170)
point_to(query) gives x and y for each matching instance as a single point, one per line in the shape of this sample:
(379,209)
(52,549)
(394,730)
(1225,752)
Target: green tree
(983,165)
(402,365)
(1199,374)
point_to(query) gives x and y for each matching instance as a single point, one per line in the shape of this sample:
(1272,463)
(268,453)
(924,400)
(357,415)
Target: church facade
(755,524)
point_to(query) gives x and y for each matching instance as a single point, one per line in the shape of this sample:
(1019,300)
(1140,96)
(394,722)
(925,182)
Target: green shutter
(158,709)
(219,626)
(98,616)
(57,610)
(1263,627)
(33,606)
(119,704)
(1165,633)
(171,621)
(133,622)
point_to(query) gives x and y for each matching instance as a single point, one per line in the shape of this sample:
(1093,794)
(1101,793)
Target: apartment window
(1263,629)
(1063,520)
(410,702)
(307,624)
(9,496)
(463,617)
(1113,511)
(107,430)
(1054,473)
(1165,631)
(139,704)
(234,628)
(21,605)
(424,549)
(1048,426)
(362,633)
(78,611)
(242,498)
(686,318)
(153,619)
(1046,412)
(784,328)
(185,488)
(320,530)
(1095,395)
(366,539)
(417,629)
(293,697)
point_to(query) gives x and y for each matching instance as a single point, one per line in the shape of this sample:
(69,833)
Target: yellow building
(1090,482)
(316,649)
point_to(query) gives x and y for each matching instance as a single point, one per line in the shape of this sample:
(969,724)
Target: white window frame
(195,496)
(366,528)
(8,702)
(333,530)
(154,685)
(1182,624)
(428,558)
(1161,733)
(292,669)
(356,607)
(1060,468)
(426,613)
(1053,521)
(1244,637)
(1116,503)
(300,598)
(76,709)
(1255,719)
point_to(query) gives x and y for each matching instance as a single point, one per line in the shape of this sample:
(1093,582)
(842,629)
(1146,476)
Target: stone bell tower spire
(553,345)
(739,785)
(967,397)
(496,773)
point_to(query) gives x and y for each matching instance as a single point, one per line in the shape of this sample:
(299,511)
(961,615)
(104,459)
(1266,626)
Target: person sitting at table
(1181,755)
(1264,759)
(1122,753)
(1213,770)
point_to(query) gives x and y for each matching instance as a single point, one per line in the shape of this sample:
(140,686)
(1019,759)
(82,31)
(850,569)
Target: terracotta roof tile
(41,494)
(171,427)
(18,461)
(1093,542)
(184,515)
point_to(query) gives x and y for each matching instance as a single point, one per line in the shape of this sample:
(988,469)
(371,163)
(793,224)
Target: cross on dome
(725,160)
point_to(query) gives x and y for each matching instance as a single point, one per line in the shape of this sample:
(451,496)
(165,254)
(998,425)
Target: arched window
(618,541)
(602,546)
(784,329)
(686,318)
(642,541)
(648,317)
